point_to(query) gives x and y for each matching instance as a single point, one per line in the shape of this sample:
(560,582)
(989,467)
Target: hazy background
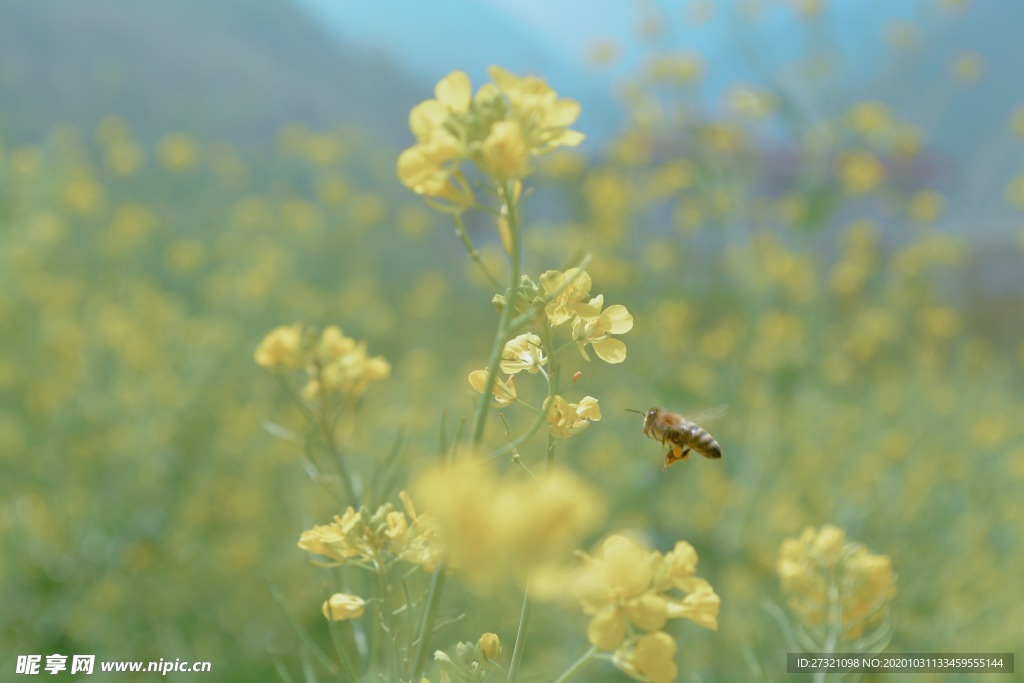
(178,177)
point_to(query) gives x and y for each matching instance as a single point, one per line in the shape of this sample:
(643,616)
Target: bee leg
(675,454)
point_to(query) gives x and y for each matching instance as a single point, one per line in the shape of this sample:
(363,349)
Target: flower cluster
(472,662)
(494,527)
(569,419)
(624,588)
(830,581)
(335,363)
(367,539)
(592,324)
(499,129)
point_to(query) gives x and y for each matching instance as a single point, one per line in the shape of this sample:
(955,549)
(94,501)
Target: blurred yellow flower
(178,152)
(822,574)
(281,349)
(595,326)
(522,353)
(1015,192)
(754,104)
(504,392)
(926,206)
(493,529)
(505,153)
(603,53)
(625,583)
(342,607)
(545,119)
(1017,122)
(569,419)
(124,157)
(968,68)
(429,169)
(870,119)
(860,172)
(650,658)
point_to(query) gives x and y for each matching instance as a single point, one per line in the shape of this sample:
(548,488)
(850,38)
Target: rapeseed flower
(500,129)
(494,529)
(626,587)
(569,419)
(281,349)
(594,326)
(343,607)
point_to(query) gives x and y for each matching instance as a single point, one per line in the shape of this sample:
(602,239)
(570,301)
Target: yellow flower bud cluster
(335,363)
(364,538)
(830,581)
(495,528)
(471,661)
(625,589)
(499,129)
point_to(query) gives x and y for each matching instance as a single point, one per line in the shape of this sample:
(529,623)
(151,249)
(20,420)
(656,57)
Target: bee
(682,434)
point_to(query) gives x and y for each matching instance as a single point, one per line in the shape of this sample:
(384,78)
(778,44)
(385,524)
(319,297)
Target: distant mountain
(228,69)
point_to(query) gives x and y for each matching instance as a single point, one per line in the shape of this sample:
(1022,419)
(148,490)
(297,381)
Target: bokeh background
(812,208)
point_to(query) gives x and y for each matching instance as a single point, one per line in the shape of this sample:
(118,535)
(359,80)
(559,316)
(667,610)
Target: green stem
(506,317)
(517,650)
(327,427)
(387,617)
(520,440)
(577,666)
(427,624)
(460,230)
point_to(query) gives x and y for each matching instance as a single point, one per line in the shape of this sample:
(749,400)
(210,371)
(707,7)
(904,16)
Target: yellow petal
(562,113)
(620,321)
(426,117)
(607,630)
(610,350)
(455,92)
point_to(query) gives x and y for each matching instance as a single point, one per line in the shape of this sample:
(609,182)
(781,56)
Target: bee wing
(709,414)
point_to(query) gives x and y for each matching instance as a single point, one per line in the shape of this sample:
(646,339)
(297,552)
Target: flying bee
(682,434)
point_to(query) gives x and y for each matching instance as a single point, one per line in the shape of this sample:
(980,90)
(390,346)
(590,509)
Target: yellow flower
(417,544)
(505,153)
(595,327)
(454,94)
(926,206)
(334,344)
(340,540)
(522,353)
(342,364)
(178,152)
(494,528)
(650,658)
(281,349)
(822,574)
(627,584)
(968,68)
(504,393)
(342,607)
(569,419)
(572,286)
(489,647)
(545,118)
(431,169)
(860,172)
(870,119)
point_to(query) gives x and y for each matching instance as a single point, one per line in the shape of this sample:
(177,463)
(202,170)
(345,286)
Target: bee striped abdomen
(692,436)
